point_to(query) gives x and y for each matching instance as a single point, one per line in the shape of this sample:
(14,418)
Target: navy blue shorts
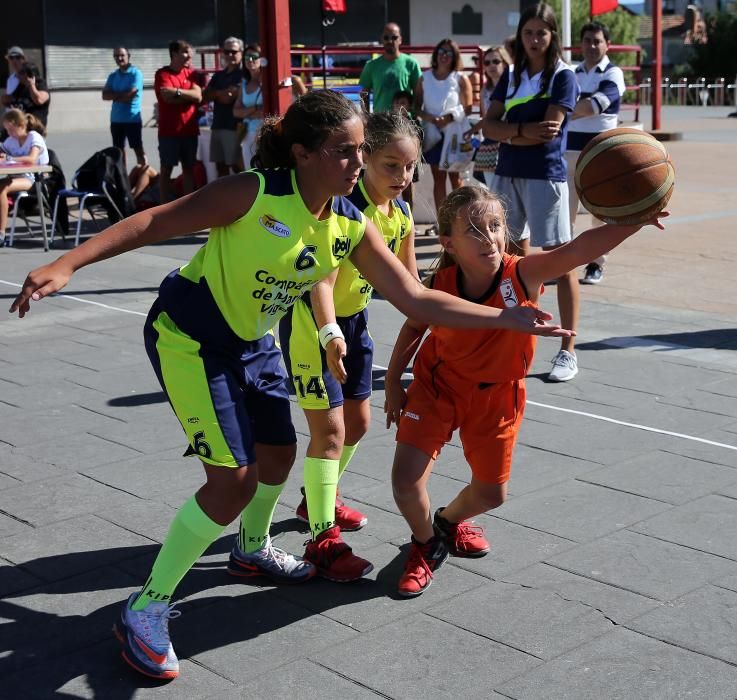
(178,149)
(304,357)
(127,130)
(226,400)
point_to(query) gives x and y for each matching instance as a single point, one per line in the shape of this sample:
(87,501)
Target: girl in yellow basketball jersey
(332,378)
(274,234)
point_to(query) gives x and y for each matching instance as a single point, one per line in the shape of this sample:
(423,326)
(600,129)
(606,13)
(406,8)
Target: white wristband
(329,332)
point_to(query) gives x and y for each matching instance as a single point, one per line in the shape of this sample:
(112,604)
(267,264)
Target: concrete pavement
(613,570)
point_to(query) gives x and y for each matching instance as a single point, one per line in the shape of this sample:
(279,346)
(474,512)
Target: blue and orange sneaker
(144,635)
(270,561)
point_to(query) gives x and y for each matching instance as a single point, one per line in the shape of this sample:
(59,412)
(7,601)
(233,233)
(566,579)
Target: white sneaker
(145,638)
(565,367)
(278,565)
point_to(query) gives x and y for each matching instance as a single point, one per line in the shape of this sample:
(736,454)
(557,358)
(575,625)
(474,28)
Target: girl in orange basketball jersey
(473,380)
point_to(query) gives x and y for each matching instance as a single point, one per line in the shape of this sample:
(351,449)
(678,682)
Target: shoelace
(159,623)
(561,360)
(417,561)
(467,531)
(279,555)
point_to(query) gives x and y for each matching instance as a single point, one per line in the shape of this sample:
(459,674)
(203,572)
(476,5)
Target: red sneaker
(346,518)
(423,561)
(334,559)
(463,539)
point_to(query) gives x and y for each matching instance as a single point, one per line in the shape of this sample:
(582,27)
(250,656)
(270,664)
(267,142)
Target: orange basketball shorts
(487,416)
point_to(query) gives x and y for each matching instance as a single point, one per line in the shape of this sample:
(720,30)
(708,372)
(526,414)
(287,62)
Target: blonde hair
(480,199)
(18,118)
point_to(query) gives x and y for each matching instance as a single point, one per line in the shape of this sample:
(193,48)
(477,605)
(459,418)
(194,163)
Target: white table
(7,169)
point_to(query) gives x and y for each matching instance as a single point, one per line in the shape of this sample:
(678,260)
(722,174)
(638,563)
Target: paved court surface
(613,572)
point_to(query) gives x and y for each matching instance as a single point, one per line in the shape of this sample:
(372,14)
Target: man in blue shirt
(125,88)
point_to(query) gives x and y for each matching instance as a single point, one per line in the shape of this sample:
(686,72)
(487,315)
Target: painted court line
(84,301)
(595,416)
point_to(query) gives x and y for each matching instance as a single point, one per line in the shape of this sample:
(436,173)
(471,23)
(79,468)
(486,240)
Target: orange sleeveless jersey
(484,355)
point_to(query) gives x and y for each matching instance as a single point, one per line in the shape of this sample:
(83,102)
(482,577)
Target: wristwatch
(178,93)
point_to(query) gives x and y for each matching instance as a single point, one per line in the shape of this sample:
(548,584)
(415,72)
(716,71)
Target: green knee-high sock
(345,457)
(190,534)
(321,482)
(257,515)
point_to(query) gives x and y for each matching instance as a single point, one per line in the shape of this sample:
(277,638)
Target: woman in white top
(25,145)
(442,95)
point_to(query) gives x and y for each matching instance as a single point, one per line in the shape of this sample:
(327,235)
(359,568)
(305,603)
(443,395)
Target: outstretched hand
(40,283)
(535,321)
(334,354)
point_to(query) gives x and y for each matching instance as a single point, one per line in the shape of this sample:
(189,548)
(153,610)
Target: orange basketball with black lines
(624,176)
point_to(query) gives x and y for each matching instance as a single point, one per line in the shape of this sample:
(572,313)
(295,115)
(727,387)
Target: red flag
(337,6)
(600,7)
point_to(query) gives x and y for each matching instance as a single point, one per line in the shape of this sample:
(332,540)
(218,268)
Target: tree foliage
(717,57)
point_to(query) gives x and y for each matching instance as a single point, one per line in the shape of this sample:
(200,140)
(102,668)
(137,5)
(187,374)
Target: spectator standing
(442,95)
(222,91)
(602,86)
(249,102)
(390,73)
(529,116)
(496,61)
(15,58)
(26,88)
(178,94)
(124,87)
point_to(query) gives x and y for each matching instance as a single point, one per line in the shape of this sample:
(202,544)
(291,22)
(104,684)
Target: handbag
(457,152)
(486,156)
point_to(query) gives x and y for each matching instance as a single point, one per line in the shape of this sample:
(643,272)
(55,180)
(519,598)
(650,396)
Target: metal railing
(691,91)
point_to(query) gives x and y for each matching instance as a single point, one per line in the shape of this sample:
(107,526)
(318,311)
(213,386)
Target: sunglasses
(446,52)
(391,37)
(15,57)
(493,61)
(252,57)
(231,52)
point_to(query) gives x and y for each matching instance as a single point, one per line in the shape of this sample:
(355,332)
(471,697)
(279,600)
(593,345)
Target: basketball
(624,176)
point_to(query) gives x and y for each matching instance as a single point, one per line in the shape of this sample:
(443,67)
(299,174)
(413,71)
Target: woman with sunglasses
(249,102)
(442,95)
(496,60)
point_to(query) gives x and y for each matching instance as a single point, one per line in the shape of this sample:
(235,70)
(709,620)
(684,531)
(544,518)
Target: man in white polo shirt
(597,110)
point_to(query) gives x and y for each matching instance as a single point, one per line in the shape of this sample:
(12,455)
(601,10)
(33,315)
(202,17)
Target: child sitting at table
(25,145)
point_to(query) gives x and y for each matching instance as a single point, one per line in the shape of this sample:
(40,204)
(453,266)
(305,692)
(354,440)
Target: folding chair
(87,198)
(18,197)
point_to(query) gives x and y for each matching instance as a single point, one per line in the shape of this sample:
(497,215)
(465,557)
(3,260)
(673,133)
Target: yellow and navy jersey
(243,280)
(352,292)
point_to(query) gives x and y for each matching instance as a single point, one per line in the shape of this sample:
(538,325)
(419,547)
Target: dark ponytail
(309,121)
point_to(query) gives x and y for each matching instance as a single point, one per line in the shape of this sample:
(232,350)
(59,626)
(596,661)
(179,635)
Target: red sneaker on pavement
(334,559)
(423,561)
(346,518)
(463,539)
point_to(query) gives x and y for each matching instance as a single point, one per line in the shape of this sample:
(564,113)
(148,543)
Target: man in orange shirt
(178,93)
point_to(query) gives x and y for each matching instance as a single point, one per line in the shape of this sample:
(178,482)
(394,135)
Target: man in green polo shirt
(390,73)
